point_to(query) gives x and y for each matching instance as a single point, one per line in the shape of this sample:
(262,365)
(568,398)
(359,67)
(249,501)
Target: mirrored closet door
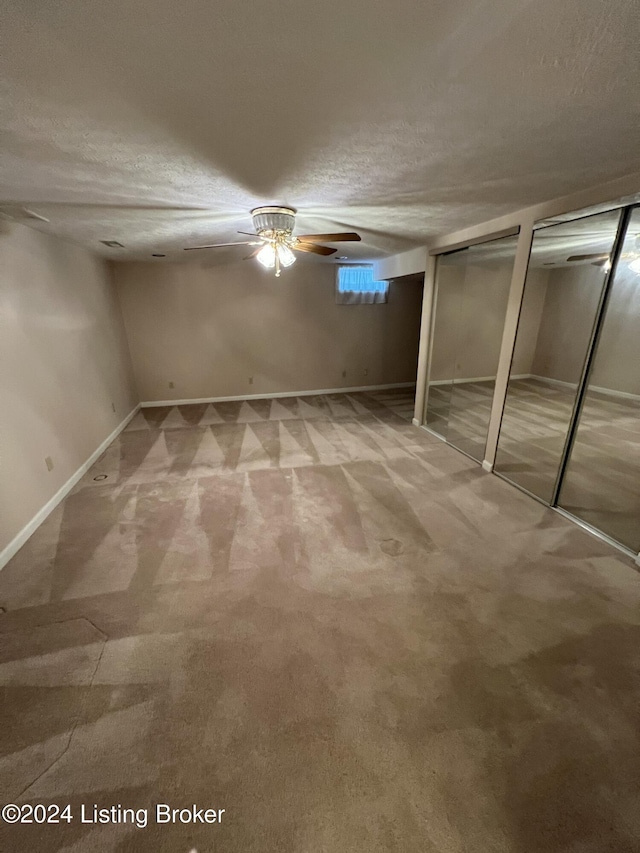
(601,484)
(472,291)
(563,292)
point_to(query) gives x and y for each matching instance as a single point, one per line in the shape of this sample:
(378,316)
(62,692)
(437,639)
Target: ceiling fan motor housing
(272,221)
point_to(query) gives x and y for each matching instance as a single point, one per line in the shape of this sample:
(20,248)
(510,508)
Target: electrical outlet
(113,406)
(344,374)
(48,461)
(366,371)
(172,385)
(251,380)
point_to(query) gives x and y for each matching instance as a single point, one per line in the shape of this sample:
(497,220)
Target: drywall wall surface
(529,322)
(567,323)
(484,305)
(471,304)
(567,320)
(236,329)
(446,322)
(406,263)
(617,362)
(64,361)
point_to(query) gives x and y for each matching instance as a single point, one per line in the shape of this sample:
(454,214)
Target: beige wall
(555,325)
(446,321)
(208,329)
(63,361)
(617,362)
(567,322)
(568,316)
(470,313)
(533,302)
(486,292)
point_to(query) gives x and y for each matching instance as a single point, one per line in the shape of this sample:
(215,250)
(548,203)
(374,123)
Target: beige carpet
(325,621)
(399,400)
(602,484)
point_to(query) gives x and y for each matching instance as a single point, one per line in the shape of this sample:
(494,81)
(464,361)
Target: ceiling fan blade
(314,248)
(220,245)
(343,237)
(253,254)
(600,256)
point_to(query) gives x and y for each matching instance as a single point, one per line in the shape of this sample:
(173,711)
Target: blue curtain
(353,279)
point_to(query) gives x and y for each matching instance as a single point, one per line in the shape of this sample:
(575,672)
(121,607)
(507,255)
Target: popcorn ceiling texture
(161,124)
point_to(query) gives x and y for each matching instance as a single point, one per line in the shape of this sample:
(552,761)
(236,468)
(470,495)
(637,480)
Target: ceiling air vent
(112,244)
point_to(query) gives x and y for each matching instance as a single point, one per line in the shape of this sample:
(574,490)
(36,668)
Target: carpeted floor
(601,486)
(460,413)
(325,621)
(399,400)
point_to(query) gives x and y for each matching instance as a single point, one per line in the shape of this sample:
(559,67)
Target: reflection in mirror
(472,291)
(602,481)
(563,288)
(443,346)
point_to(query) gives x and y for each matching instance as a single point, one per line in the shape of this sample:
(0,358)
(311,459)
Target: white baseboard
(608,392)
(463,380)
(148,403)
(559,382)
(18,541)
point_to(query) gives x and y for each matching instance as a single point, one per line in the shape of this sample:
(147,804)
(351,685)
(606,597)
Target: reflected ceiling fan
(603,259)
(275,241)
(597,259)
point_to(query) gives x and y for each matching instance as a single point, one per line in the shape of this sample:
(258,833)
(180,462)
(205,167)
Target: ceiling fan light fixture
(272,221)
(278,248)
(267,256)
(285,255)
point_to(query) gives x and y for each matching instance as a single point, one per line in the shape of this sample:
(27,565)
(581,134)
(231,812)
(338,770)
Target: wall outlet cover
(48,461)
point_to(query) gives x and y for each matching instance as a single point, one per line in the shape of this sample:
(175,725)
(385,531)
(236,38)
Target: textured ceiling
(161,123)
(589,232)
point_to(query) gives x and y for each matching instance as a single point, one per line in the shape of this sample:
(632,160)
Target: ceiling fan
(602,259)
(597,259)
(275,241)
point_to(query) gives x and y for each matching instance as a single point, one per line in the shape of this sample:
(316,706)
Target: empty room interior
(320,427)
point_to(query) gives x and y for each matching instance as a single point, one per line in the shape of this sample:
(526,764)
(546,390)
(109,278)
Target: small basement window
(355,285)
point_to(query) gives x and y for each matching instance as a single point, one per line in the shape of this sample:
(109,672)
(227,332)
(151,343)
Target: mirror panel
(472,291)
(563,289)
(601,485)
(445,332)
